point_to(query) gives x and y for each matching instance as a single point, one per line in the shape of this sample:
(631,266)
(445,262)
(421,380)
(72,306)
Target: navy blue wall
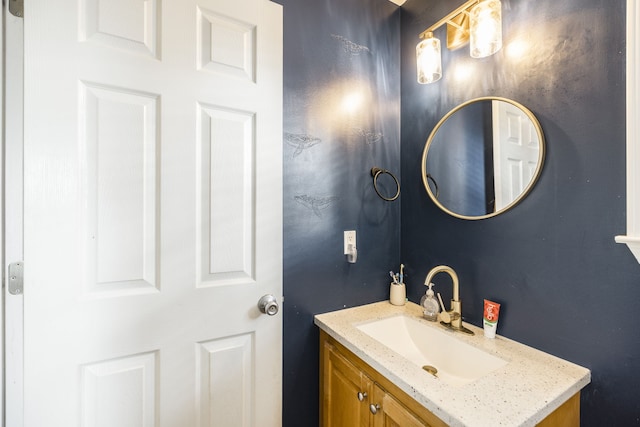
(565,286)
(336,53)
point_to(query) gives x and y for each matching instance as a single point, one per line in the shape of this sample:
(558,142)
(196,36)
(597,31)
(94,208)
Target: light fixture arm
(449,19)
(478,22)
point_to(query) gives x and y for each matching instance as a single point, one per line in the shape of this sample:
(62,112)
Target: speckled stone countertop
(522,393)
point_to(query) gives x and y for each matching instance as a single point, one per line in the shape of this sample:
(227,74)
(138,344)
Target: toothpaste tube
(490,318)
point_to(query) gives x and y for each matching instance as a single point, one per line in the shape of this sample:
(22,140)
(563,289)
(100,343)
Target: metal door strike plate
(16,278)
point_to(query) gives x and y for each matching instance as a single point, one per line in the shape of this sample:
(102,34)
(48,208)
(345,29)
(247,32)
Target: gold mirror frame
(528,187)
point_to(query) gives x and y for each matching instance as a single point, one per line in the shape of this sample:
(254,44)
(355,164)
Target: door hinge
(16,278)
(16,7)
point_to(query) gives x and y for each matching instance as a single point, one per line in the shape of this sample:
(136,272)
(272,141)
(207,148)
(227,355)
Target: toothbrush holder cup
(397,294)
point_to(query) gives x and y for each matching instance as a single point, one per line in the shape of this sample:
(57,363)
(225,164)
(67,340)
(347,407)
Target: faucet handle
(444,314)
(449,316)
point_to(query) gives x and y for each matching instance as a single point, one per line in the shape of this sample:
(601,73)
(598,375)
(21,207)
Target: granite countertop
(522,393)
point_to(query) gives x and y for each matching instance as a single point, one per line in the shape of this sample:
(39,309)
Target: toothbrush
(401,273)
(393,277)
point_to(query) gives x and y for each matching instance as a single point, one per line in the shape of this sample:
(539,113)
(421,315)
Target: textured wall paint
(341,117)
(565,286)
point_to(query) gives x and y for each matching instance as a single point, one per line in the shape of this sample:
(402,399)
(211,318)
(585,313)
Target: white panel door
(152,213)
(515,152)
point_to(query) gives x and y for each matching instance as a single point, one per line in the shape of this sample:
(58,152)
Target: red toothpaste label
(491,311)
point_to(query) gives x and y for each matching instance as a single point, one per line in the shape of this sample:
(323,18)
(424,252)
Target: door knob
(374,408)
(268,305)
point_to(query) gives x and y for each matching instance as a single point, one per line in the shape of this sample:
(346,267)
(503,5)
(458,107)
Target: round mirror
(483,157)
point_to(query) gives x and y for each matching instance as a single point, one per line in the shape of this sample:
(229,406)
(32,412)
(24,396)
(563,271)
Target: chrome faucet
(452,319)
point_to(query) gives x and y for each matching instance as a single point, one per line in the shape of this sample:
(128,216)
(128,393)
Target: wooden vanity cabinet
(353,394)
(346,393)
(391,413)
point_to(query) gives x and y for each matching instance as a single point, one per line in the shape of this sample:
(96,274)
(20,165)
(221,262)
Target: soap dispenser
(430,307)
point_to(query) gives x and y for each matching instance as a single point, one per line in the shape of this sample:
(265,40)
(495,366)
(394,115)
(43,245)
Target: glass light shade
(428,60)
(486,28)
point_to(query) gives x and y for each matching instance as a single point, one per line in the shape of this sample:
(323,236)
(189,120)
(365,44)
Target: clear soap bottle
(430,307)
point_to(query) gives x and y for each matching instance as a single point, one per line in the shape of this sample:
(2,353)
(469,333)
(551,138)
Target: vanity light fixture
(429,59)
(476,21)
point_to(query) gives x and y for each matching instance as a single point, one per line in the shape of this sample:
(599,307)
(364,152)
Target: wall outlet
(349,239)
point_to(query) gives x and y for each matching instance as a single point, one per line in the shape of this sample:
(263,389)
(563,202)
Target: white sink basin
(457,362)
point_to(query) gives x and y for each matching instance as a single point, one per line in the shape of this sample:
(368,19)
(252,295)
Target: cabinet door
(388,412)
(346,391)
